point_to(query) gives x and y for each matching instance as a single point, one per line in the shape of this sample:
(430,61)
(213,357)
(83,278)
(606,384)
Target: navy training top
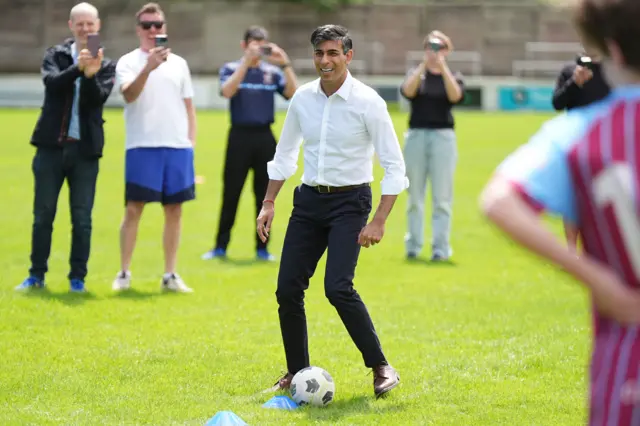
(254,104)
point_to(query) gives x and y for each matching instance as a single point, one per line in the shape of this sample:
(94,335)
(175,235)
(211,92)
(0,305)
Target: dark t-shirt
(430,108)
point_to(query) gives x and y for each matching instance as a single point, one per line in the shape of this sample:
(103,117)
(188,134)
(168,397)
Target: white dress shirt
(341,133)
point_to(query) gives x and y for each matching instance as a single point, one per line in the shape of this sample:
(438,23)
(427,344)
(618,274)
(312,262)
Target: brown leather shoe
(284,382)
(385,378)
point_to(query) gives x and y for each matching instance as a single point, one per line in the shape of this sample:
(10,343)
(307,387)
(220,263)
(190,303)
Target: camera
(265,50)
(584,61)
(436,44)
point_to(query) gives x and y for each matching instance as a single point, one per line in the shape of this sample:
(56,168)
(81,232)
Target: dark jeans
(322,222)
(51,166)
(247,148)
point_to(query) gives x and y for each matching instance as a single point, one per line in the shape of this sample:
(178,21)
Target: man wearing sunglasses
(250,84)
(160,134)
(69,139)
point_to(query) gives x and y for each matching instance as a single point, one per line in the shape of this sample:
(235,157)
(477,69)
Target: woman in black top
(430,145)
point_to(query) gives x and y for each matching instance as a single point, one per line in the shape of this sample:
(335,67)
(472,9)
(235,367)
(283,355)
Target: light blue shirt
(74,122)
(541,166)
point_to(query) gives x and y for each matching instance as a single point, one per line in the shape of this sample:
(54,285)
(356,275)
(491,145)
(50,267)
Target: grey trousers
(430,155)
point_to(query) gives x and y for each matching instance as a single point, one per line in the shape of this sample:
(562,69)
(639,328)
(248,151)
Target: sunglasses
(146,25)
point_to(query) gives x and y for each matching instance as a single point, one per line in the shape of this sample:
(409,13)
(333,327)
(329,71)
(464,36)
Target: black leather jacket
(59,74)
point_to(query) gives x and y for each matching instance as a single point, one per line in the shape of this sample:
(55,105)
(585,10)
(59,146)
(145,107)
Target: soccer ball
(314,386)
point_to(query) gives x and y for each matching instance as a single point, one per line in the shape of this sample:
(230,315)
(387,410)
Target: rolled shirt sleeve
(285,160)
(387,148)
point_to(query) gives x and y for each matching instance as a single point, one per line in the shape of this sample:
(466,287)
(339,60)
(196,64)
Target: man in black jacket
(580,85)
(577,86)
(69,139)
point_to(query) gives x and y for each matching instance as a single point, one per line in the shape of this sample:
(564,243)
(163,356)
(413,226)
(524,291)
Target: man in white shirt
(160,135)
(342,122)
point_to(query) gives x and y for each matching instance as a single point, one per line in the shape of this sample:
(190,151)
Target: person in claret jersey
(583,166)
(430,145)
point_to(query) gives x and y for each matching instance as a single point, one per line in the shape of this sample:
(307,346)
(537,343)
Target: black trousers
(51,166)
(322,222)
(248,148)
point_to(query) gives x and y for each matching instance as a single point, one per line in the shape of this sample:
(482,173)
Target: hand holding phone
(93,44)
(162,40)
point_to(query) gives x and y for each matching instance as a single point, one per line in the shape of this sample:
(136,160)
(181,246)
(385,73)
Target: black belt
(323,189)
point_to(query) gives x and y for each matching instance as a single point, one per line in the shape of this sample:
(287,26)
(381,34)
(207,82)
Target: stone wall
(207,33)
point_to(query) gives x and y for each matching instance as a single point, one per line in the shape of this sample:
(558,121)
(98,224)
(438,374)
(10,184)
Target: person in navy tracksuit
(250,84)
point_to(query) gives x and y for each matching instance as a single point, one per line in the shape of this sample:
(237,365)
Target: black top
(567,94)
(431,108)
(59,75)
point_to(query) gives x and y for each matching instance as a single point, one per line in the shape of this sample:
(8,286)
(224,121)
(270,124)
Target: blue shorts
(164,175)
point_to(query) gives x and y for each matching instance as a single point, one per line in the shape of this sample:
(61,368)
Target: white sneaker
(173,282)
(122,281)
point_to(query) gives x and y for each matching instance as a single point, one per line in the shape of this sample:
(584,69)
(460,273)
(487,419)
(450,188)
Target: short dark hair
(255,32)
(599,21)
(332,32)
(149,8)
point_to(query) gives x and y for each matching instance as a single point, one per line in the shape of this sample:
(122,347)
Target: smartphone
(265,50)
(436,44)
(93,44)
(162,40)
(584,61)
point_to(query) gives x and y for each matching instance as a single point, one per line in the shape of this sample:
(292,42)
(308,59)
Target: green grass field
(497,338)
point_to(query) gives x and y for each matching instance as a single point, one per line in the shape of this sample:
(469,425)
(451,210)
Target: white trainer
(173,282)
(122,281)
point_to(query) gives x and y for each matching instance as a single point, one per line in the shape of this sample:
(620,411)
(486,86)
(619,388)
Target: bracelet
(284,66)
(268,201)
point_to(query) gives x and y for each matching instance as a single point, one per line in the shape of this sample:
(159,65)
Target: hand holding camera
(274,54)
(435,52)
(582,73)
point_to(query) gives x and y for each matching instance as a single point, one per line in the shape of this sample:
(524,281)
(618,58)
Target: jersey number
(614,186)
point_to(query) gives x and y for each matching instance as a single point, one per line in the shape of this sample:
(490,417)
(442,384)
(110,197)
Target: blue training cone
(281,402)
(225,418)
